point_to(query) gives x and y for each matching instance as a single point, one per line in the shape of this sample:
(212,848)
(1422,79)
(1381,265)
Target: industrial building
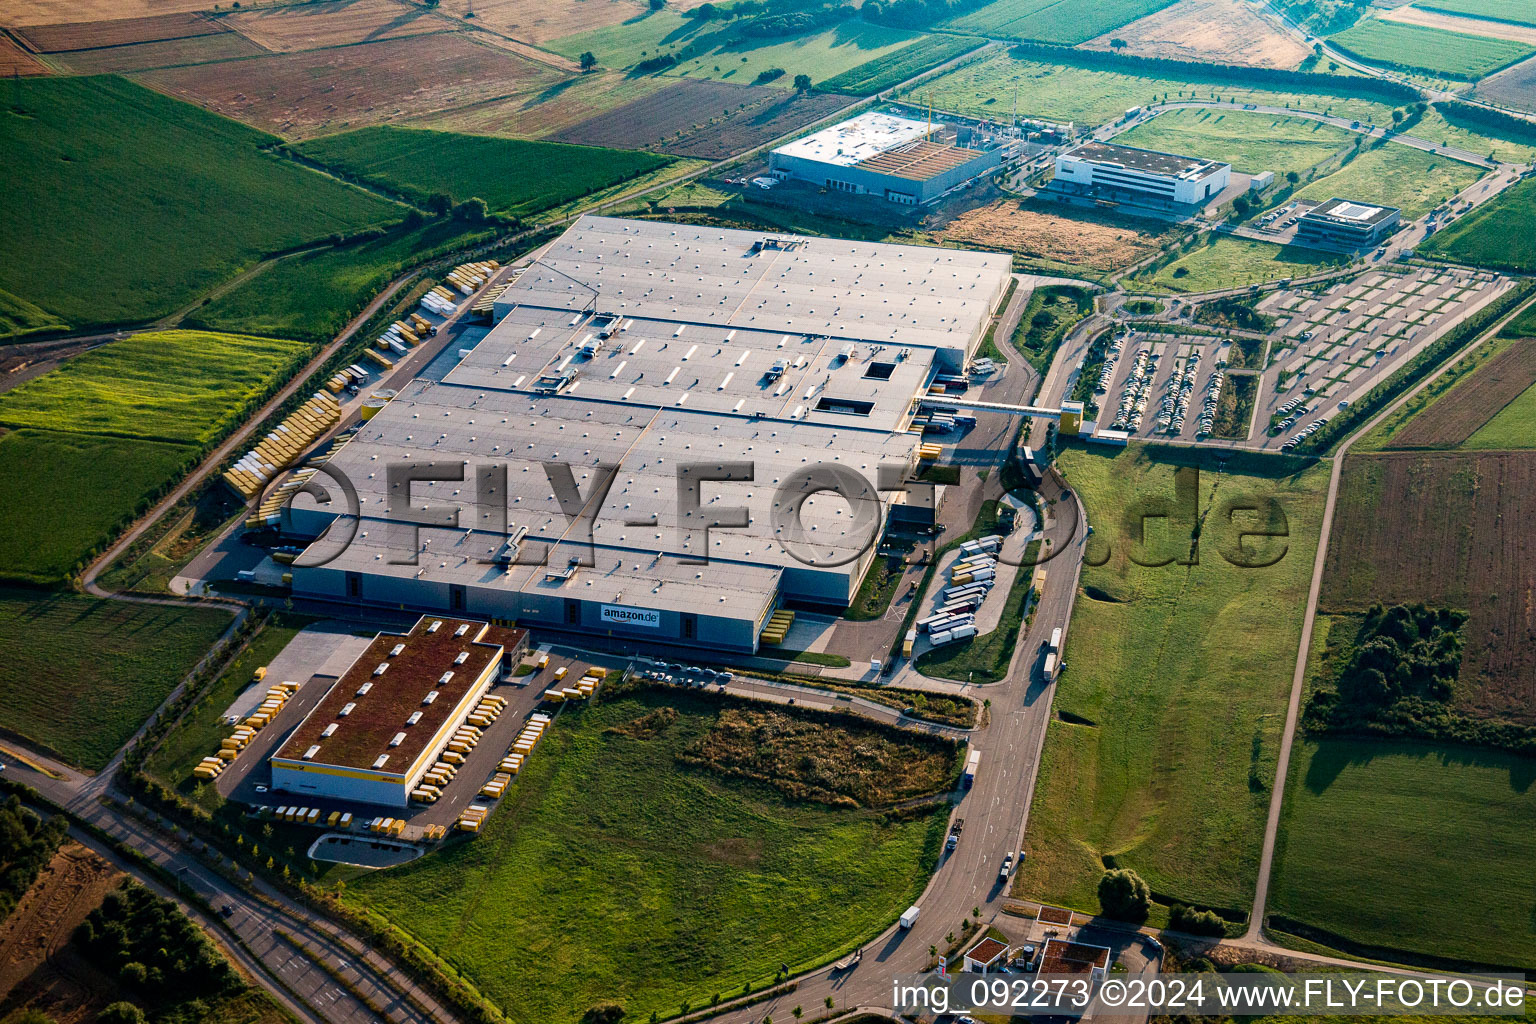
(1106,171)
(897,158)
(379,729)
(1346,225)
(632,356)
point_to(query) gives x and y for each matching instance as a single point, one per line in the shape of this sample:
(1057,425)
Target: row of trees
(27,842)
(151,948)
(1125,896)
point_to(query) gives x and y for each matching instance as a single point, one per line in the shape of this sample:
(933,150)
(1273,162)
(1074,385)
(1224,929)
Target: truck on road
(971,765)
(954,834)
(909,918)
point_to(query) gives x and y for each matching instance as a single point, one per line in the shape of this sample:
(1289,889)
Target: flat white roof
(856,139)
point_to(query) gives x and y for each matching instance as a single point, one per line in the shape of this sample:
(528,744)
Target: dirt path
(1255,933)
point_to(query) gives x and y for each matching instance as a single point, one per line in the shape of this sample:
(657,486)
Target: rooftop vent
(394,652)
(462,657)
(381,760)
(346,709)
(328,731)
(309,755)
(397,739)
(361,690)
(430,697)
(415,717)
(435,626)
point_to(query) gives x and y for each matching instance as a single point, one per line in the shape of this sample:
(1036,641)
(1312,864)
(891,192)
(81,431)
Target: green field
(1410,846)
(1513,426)
(1419,48)
(1519,11)
(122,204)
(1500,233)
(311,296)
(897,66)
(198,732)
(1066,92)
(63,495)
(18,318)
(628,877)
(1445,128)
(512,175)
(1229,262)
(719,50)
(184,386)
(1172,699)
(1249,142)
(1393,175)
(1055,21)
(81,674)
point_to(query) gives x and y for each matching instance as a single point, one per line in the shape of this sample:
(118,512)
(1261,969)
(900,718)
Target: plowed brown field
(16,61)
(1219,31)
(704,119)
(1008,227)
(333,23)
(1452,530)
(299,95)
(85,35)
(539,21)
(1457,416)
(86,12)
(166,53)
(37,967)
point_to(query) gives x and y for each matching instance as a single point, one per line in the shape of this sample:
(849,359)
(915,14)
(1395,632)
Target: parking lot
(1158,383)
(1329,348)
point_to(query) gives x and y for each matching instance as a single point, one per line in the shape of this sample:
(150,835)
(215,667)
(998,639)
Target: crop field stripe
(1056,21)
(178,386)
(1415,47)
(894,68)
(1474,402)
(511,175)
(1437,527)
(97,204)
(1519,12)
(1379,839)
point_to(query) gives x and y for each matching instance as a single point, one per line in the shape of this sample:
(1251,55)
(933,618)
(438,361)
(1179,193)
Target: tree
(121,1013)
(657,5)
(588,60)
(1195,922)
(1124,896)
(797,1011)
(603,1013)
(1292,177)
(1397,116)
(802,83)
(472,211)
(1118,44)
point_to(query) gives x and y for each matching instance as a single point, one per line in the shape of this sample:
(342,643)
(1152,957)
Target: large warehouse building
(1342,224)
(1107,171)
(379,729)
(899,159)
(665,350)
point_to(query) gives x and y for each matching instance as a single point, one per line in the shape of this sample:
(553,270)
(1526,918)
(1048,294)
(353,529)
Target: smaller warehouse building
(1106,171)
(896,158)
(1346,225)
(384,722)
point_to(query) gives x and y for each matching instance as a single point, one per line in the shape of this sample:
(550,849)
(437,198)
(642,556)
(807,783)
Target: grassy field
(18,318)
(123,204)
(63,495)
(897,66)
(1249,142)
(1445,870)
(183,386)
(1499,233)
(1519,11)
(199,731)
(1060,92)
(1055,21)
(1052,311)
(1513,426)
(1417,47)
(511,175)
(106,665)
(719,50)
(1437,126)
(1172,698)
(311,296)
(1231,262)
(629,877)
(1410,179)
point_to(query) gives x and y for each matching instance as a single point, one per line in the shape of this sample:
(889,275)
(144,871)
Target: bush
(26,844)
(1124,896)
(122,1012)
(148,945)
(1196,922)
